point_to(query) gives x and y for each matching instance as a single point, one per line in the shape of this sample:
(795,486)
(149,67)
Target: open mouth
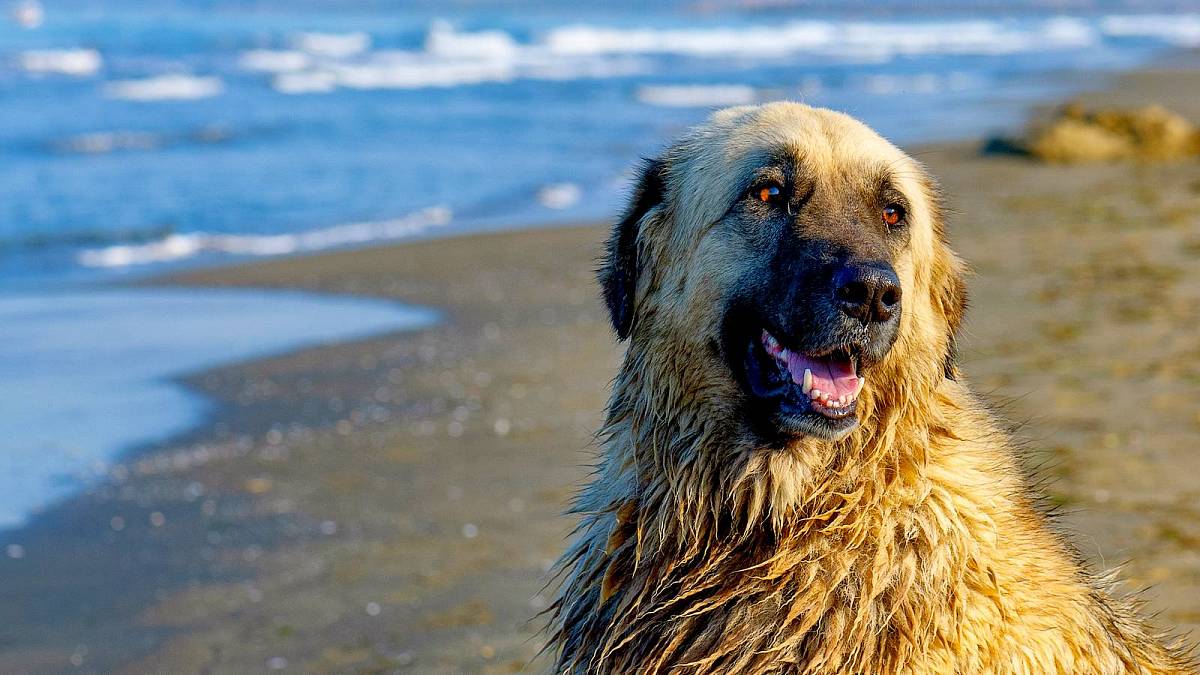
(810,391)
(829,382)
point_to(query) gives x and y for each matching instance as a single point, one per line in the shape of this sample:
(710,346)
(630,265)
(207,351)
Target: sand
(394,503)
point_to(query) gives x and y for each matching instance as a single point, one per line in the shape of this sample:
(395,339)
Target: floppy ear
(949,280)
(619,268)
(952,297)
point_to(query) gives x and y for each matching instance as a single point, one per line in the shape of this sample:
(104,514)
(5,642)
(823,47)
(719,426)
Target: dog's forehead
(713,163)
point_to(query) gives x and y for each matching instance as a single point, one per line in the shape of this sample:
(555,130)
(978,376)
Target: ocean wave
(1178,30)
(180,246)
(560,196)
(697,96)
(845,39)
(28,14)
(401,70)
(175,87)
(333,45)
(318,82)
(274,60)
(449,57)
(73,62)
(444,41)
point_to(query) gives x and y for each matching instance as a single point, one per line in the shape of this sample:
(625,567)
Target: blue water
(87,374)
(150,131)
(138,135)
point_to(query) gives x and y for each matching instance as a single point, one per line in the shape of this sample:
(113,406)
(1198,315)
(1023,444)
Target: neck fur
(683,508)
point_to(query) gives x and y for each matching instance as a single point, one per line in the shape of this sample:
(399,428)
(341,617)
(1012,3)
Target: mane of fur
(912,545)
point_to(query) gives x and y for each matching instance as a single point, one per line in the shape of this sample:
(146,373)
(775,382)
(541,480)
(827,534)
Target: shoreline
(91,403)
(397,498)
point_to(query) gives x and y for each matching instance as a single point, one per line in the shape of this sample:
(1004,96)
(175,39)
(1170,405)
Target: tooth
(807,386)
(815,395)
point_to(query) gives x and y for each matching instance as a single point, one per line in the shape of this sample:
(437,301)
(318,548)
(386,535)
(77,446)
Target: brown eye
(769,193)
(892,213)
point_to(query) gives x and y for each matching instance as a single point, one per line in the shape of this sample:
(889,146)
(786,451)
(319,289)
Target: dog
(794,476)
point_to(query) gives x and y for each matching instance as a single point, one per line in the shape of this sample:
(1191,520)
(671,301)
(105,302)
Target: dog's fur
(911,544)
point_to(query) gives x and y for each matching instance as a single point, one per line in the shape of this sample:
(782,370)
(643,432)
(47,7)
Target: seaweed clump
(1150,133)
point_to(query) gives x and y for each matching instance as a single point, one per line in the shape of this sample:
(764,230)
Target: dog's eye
(893,213)
(769,193)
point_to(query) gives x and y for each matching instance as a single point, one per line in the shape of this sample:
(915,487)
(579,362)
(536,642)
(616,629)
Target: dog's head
(778,260)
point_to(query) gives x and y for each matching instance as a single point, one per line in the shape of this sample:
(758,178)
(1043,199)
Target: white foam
(28,14)
(74,62)
(274,60)
(444,41)
(560,195)
(182,246)
(1180,30)
(317,82)
(401,70)
(844,39)
(697,96)
(333,45)
(549,67)
(174,87)
(449,57)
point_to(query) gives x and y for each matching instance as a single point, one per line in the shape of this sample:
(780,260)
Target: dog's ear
(952,298)
(949,279)
(619,267)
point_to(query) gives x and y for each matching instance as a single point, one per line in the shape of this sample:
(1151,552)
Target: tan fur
(912,545)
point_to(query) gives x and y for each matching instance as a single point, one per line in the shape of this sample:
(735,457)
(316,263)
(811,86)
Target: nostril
(891,295)
(854,293)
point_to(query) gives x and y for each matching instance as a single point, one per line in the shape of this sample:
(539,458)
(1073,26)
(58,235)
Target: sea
(142,136)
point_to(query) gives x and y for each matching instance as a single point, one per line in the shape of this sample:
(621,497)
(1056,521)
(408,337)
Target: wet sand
(393,503)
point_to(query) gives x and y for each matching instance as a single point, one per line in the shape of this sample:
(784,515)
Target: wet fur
(911,545)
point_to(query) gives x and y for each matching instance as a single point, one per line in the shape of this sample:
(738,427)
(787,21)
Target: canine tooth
(807,386)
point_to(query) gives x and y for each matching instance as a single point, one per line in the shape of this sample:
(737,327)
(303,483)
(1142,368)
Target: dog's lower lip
(829,382)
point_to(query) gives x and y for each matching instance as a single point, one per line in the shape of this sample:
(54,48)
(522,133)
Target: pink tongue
(832,376)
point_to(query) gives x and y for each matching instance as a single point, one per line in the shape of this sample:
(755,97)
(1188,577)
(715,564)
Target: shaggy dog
(794,477)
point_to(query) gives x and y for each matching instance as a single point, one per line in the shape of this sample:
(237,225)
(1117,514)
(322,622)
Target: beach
(394,503)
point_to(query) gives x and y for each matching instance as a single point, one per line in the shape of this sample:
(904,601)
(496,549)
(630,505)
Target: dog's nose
(868,292)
